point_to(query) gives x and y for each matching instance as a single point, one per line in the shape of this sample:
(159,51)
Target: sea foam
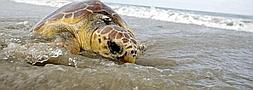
(163,14)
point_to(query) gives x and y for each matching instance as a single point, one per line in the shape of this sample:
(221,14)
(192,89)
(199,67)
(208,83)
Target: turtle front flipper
(70,43)
(61,35)
(141,49)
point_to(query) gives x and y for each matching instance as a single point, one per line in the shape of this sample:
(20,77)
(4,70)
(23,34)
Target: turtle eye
(107,20)
(114,48)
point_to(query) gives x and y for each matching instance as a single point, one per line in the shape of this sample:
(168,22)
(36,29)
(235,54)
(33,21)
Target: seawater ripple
(165,14)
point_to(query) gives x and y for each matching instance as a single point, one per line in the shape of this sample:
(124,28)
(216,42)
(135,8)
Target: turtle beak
(128,58)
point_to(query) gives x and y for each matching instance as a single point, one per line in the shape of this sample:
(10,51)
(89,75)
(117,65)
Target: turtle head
(115,42)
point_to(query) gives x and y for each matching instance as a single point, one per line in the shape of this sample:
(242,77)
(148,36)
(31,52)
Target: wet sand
(178,57)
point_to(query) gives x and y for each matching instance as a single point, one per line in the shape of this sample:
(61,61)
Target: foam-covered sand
(178,57)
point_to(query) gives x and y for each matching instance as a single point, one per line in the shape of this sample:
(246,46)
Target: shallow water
(178,56)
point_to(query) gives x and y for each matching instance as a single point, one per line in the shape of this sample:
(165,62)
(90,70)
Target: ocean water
(179,55)
(208,19)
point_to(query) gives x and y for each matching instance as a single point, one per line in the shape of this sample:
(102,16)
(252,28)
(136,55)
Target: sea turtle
(90,26)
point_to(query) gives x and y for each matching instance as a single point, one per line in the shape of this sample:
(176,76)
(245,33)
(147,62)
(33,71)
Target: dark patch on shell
(81,13)
(95,7)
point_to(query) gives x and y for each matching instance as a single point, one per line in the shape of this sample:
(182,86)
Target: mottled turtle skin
(90,26)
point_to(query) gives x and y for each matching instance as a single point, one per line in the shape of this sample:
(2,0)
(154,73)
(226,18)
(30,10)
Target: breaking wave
(170,15)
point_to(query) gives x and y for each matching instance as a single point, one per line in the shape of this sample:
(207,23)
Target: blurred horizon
(238,7)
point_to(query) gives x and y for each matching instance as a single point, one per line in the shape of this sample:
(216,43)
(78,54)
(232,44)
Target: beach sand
(178,57)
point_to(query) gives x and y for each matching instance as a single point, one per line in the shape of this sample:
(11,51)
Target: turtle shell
(78,10)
